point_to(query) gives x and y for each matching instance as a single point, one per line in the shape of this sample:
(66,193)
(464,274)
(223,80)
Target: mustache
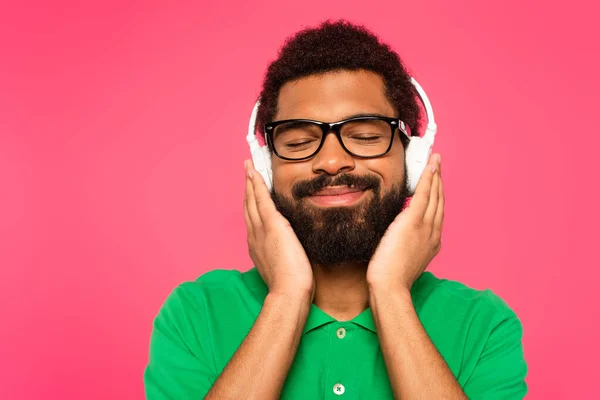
(310,187)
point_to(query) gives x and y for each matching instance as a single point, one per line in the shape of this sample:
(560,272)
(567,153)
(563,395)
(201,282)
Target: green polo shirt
(202,324)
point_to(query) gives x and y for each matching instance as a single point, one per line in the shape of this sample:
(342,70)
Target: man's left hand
(413,239)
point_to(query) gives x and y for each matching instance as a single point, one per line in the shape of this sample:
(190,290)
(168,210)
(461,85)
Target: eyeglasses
(362,137)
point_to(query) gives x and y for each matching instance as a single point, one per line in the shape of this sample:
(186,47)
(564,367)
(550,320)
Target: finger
(253,213)
(433,198)
(420,199)
(439,215)
(264,203)
(249,229)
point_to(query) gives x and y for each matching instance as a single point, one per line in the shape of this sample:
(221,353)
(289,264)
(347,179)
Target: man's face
(334,224)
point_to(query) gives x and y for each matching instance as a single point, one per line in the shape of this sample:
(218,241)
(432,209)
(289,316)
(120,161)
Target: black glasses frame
(336,127)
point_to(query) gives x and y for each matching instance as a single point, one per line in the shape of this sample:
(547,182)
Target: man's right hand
(273,245)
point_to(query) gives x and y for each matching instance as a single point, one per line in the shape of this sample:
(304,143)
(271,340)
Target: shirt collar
(365,319)
(316,318)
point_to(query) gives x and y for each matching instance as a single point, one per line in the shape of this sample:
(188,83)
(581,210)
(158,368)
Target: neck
(341,290)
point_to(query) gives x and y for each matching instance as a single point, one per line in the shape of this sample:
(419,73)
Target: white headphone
(417,153)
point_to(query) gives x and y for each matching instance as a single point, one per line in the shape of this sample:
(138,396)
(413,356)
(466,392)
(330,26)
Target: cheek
(398,173)
(393,167)
(286,173)
(389,170)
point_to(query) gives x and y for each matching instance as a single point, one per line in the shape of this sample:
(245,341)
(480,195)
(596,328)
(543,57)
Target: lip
(337,196)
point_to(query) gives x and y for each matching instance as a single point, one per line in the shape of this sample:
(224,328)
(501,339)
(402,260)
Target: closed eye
(365,138)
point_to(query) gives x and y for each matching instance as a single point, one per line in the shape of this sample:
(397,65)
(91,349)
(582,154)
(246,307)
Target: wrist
(395,293)
(290,307)
(389,288)
(296,297)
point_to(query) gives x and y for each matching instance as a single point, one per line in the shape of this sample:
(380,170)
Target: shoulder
(459,299)
(224,286)
(213,280)
(468,324)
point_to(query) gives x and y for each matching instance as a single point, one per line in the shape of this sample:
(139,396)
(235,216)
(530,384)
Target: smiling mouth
(337,196)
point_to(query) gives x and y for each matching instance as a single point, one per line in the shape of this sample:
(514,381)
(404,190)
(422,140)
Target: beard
(341,235)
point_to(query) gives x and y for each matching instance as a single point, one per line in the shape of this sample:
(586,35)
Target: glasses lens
(367,138)
(297,139)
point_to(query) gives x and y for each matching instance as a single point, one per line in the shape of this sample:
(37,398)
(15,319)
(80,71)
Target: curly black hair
(339,45)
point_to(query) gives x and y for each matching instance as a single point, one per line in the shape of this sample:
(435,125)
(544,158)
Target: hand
(413,239)
(273,245)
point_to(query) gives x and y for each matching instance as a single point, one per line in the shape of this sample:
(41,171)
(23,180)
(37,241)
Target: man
(338,304)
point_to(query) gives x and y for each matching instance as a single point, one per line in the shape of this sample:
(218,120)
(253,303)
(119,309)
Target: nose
(332,159)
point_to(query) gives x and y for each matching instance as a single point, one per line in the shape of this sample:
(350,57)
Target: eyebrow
(365,115)
(348,116)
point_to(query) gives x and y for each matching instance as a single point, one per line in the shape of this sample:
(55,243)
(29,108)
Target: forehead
(333,96)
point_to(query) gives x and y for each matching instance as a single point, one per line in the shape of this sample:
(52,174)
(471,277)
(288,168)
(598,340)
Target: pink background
(121,148)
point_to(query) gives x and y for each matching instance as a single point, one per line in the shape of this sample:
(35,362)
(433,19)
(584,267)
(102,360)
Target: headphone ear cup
(268,172)
(417,156)
(261,157)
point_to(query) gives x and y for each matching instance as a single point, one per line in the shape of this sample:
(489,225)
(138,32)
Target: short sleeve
(501,369)
(180,362)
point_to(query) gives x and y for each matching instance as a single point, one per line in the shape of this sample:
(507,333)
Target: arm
(260,366)
(415,368)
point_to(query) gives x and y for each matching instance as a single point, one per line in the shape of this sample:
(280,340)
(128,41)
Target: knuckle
(416,223)
(268,230)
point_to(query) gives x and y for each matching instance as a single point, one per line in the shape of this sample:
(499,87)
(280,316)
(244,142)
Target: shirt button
(339,389)
(341,333)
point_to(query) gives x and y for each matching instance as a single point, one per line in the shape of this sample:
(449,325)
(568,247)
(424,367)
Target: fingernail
(434,167)
(250,174)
